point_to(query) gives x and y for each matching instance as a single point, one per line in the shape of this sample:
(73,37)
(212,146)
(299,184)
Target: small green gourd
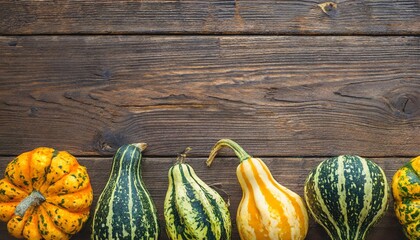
(125,209)
(192,209)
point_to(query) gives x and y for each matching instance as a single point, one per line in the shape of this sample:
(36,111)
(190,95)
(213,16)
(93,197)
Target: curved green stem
(239,151)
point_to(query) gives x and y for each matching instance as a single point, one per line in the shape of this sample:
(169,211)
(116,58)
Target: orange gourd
(45,194)
(267,210)
(406,193)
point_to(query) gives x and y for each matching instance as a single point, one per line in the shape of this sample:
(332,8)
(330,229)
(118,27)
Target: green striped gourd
(192,209)
(347,195)
(125,209)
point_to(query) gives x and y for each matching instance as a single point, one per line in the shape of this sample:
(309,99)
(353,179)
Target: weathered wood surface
(89,76)
(282,95)
(383,17)
(291,172)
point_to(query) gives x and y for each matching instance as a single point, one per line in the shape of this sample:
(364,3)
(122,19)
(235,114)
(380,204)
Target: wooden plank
(209,17)
(277,96)
(291,172)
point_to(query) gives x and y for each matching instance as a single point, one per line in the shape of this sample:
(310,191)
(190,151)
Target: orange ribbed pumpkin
(267,210)
(45,194)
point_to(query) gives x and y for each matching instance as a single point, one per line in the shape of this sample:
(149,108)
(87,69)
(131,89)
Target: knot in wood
(329,8)
(407,104)
(108,141)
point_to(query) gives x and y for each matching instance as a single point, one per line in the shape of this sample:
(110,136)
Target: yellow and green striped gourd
(192,209)
(347,195)
(125,210)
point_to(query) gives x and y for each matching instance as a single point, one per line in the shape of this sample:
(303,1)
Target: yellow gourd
(267,210)
(406,192)
(45,194)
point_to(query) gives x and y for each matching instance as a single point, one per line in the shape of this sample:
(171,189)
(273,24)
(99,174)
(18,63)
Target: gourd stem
(182,156)
(141,146)
(34,199)
(239,151)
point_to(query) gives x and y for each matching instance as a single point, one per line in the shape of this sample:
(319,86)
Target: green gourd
(192,209)
(125,209)
(347,195)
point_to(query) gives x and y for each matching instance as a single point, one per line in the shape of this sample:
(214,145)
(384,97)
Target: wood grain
(291,83)
(383,17)
(290,172)
(277,96)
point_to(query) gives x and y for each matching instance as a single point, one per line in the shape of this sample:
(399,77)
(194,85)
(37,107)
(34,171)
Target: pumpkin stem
(34,199)
(239,151)
(182,156)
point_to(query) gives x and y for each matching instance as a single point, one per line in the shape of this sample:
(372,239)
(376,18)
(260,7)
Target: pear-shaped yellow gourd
(267,209)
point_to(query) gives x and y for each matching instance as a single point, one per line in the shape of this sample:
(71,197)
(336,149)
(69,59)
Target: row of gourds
(46,194)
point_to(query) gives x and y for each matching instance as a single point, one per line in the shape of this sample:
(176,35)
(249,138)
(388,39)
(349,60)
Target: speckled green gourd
(192,209)
(125,209)
(347,195)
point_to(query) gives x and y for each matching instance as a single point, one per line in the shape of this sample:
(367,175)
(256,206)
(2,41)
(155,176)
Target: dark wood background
(291,83)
